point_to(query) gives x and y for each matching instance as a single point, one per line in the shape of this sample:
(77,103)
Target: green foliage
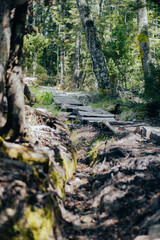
(45,100)
(116,23)
(43,97)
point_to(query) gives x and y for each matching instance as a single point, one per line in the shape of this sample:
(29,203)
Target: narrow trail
(114,194)
(117,198)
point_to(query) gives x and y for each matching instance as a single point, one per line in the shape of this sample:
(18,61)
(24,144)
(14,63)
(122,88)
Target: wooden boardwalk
(83,113)
(86,114)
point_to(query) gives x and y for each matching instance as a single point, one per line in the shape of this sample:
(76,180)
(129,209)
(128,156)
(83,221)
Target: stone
(152,133)
(143,237)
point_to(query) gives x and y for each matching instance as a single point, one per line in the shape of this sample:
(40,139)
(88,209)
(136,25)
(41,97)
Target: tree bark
(14,86)
(98,60)
(62,67)
(76,74)
(5,36)
(10,67)
(101,2)
(144,46)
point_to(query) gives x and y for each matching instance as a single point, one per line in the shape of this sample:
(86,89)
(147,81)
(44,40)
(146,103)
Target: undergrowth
(44,99)
(132,106)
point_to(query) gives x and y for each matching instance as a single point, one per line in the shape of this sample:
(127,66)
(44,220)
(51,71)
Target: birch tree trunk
(98,60)
(144,46)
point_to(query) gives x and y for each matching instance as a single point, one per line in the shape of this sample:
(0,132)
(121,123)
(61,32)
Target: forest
(127,34)
(79,119)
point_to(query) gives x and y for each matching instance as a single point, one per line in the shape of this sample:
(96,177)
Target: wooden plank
(100,110)
(80,108)
(92,114)
(66,100)
(91,119)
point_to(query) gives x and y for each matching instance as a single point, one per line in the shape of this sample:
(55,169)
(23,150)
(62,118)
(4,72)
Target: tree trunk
(62,67)
(94,46)
(144,46)
(14,84)
(101,2)
(58,61)
(77,62)
(5,36)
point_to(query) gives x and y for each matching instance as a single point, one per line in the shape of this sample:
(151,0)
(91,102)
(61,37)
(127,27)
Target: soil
(115,192)
(119,196)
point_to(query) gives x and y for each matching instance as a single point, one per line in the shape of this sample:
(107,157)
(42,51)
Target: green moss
(141,52)
(23,154)
(36,225)
(104,92)
(69,165)
(93,153)
(142,38)
(58,182)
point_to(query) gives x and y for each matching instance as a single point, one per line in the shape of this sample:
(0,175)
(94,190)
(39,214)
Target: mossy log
(26,210)
(33,181)
(24,154)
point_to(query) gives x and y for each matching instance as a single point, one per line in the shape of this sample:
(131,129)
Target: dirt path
(119,196)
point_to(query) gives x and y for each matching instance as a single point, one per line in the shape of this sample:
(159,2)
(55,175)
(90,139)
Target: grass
(44,99)
(131,106)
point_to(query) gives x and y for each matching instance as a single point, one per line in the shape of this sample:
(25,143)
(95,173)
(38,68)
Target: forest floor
(114,194)
(118,197)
